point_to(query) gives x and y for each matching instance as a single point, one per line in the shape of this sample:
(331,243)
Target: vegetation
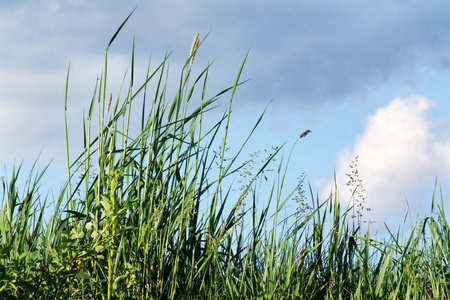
(152,216)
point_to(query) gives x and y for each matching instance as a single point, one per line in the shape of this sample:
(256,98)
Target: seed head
(109,103)
(185,78)
(194,48)
(304,133)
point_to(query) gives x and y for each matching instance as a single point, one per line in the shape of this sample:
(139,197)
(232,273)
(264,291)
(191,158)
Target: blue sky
(370,79)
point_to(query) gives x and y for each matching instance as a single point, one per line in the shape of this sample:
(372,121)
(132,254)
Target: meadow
(153,215)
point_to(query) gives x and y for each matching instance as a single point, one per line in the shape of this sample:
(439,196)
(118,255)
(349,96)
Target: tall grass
(150,216)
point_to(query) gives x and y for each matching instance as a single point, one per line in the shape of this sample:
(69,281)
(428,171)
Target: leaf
(4,252)
(83,275)
(35,255)
(76,214)
(106,205)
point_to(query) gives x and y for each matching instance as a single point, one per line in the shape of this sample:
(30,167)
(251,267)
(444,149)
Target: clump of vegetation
(148,216)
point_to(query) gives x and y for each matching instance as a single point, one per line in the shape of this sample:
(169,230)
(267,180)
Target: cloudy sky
(370,79)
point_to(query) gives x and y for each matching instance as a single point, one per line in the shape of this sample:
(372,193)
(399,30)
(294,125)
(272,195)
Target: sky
(369,79)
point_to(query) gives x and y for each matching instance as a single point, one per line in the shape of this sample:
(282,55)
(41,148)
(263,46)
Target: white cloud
(400,153)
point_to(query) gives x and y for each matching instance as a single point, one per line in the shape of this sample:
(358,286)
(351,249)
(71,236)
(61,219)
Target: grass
(152,215)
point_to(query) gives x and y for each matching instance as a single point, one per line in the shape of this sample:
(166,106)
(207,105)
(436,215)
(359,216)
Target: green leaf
(83,275)
(4,252)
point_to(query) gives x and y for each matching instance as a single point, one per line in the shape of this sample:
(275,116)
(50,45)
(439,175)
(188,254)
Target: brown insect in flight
(304,133)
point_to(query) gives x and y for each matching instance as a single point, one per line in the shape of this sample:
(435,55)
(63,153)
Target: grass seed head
(194,48)
(305,133)
(185,78)
(108,105)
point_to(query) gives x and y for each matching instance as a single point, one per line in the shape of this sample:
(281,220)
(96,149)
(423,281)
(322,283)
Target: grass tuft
(149,214)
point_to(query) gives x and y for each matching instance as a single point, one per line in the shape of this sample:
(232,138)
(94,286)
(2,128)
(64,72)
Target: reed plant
(152,215)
